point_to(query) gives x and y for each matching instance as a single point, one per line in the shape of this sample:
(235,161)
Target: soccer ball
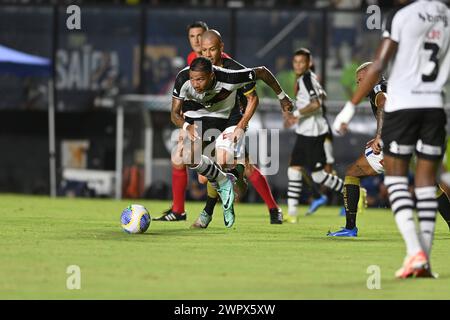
(135,219)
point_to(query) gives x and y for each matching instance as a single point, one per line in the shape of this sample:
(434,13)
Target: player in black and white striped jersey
(211,93)
(417,37)
(311,129)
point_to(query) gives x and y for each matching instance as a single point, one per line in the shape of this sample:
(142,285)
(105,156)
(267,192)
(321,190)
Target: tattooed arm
(264,74)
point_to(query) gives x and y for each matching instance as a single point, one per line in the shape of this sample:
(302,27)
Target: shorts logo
(396,148)
(250,76)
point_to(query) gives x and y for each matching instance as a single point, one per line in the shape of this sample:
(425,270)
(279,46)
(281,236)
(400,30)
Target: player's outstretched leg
(259,182)
(207,213)
(351,197)
(179,183)
(225,182)
(294,191)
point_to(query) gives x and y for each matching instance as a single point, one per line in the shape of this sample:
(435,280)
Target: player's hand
(289,119)
(340,124)
(286,104)
(238,133)
(192,132)
(377,145)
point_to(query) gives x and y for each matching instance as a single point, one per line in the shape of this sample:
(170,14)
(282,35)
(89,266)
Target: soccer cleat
(226,193)
(362,202)
(415,266)
(316,204)
(344,233)
(169,215)
(276,216)
(290,219)
(202,221)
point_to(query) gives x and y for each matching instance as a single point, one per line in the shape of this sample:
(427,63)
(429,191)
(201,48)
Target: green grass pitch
(41,237)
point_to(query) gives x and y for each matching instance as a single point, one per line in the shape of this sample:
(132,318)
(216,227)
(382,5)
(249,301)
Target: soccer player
(195,32)
(212,48)
(312,128)
(417,38)
(179,171)
(212,93)
(371,162)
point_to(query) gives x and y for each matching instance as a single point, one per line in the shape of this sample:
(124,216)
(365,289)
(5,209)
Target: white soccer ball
(135,219)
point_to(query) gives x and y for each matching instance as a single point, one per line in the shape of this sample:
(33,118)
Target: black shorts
(415,130)
(308,152)
(209,128)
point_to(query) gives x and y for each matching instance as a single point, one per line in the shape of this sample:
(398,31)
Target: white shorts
(374,160)
(224,142)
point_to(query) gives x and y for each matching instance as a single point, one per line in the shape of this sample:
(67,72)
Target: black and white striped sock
(210,170)
(294,190)
(402,206)
(426,205)
(329,180)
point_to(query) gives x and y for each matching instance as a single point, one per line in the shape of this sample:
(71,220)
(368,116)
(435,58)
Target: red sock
(179,183)
(259,182)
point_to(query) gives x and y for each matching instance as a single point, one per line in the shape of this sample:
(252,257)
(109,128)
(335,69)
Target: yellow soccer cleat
(362,202)
(290,219)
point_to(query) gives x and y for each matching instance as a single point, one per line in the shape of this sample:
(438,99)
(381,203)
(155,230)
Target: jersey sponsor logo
(426,17)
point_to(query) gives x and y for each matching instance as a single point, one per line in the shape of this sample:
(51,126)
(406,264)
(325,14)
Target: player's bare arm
(178,120)
(313,106)
(252,104)
(264,74)
(380,99)
(385,52)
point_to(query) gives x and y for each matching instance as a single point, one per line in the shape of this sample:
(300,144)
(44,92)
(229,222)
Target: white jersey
(422,62)
(314,124)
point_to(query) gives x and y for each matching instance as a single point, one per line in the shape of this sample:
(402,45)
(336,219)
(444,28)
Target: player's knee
(202,179)
(249,169)
(319,176)
(294,173)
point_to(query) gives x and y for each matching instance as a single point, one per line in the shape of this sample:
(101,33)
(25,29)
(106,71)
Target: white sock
(426,210)
(294,190)
(402,206)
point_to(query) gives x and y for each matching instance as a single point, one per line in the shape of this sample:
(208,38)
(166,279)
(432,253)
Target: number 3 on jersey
(432,74)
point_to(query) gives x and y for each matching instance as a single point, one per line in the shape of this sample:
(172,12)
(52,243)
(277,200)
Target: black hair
(198,24)
(303,52)
(201,64)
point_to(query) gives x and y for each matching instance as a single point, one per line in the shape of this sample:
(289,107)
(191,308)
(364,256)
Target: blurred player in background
(371,162)
(312,128)
(417,38)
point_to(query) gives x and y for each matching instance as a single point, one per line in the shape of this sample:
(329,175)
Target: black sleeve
(309,86)
(229,63)
(235,77)
(181,79)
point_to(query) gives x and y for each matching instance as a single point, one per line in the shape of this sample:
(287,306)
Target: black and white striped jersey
(309,89)
(219,101)
(422,63)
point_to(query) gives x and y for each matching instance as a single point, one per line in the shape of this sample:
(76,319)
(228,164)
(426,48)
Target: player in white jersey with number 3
(417,38)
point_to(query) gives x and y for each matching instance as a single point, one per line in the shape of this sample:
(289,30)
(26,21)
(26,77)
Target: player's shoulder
(229,63)
(234,76)
(183,74)
(182,77)
(308,77)
(399,12)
